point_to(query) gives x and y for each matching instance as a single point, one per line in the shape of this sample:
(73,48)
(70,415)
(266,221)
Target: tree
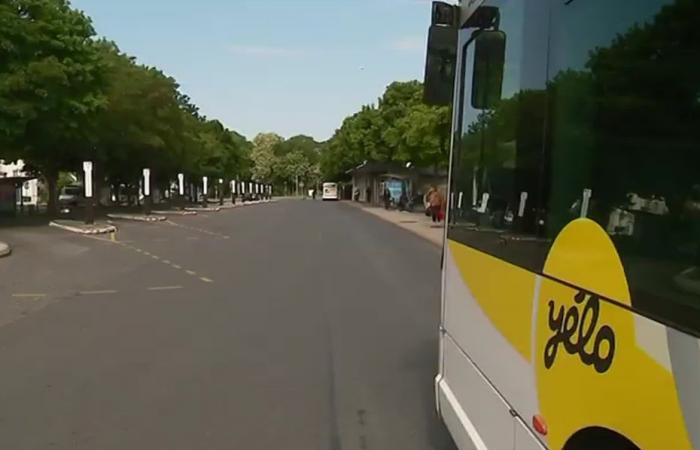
(51,85)
(399,129)
(263,155)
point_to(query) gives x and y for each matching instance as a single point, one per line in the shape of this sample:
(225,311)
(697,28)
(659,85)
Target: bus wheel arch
(599,438)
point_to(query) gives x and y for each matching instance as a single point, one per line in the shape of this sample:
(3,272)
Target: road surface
(296,325)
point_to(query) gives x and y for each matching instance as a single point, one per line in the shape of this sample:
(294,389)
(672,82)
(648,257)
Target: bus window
(625,142)
(498,156)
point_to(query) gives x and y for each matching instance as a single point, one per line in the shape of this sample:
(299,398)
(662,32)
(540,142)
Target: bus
(571,263)
(330,191)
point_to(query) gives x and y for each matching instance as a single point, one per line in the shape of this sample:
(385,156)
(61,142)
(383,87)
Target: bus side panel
(524,439)
(478,356)
(472,409)
(491,321)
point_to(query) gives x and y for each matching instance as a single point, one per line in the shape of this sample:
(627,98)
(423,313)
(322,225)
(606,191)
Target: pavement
(295,324)
(417,223)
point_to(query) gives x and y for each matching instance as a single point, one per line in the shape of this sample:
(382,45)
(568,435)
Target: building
(17,187)
(369,180)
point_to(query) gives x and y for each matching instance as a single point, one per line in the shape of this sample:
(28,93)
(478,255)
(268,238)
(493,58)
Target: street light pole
(147,191)
(221,192)
(89,207)
(205,188)
(181,190)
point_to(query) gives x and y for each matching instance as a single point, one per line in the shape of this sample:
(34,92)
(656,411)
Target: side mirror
(440,65)
(441,55)
(489,62)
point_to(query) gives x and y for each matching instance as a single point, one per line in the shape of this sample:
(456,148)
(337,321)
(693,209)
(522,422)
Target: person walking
(436,201)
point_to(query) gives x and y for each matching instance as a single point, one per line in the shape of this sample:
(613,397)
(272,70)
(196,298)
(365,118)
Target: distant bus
(330,191)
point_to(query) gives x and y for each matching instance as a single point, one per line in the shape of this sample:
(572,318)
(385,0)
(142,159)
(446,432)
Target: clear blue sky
(288,66)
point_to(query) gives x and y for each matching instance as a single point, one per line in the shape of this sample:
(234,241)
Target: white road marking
(165,261)
(103,292)
(29,295)
(191,272)
(164,288)
(206,280)
(176,266)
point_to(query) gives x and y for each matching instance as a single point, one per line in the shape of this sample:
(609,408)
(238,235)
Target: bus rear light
(539,424)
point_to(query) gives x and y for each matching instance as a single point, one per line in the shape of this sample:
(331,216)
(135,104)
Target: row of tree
(399,128)
(67,96)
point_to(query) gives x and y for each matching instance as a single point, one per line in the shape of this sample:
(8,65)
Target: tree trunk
(51,177)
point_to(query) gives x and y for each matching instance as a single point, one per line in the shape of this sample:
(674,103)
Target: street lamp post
(221,192)
(147,191)
(181,190)
(89,206)
(205,189)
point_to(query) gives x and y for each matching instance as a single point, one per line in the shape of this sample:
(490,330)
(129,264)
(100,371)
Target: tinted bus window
(498,155)
(624,97)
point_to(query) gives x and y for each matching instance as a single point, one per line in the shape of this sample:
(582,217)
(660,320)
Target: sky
(285,66)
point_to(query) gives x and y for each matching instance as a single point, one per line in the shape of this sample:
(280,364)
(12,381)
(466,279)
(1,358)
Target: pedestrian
(436,201)
(387,197)
(426,200)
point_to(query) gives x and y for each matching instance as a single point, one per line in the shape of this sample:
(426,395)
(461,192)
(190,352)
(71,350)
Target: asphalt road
(292,325)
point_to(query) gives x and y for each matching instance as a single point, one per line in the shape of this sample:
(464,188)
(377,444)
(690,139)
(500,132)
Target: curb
(104,229)
(208,209)
(176,213)
(137,218)
(5,249)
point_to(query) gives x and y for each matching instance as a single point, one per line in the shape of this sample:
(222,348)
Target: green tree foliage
(263,155)
(400,128)
(66,96)
(51,85)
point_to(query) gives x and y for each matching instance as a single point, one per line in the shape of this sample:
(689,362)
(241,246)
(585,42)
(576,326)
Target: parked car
(70,195)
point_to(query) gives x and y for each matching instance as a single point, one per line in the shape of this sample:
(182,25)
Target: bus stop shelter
(9,188)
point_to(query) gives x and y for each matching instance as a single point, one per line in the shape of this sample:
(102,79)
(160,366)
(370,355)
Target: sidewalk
(417,223)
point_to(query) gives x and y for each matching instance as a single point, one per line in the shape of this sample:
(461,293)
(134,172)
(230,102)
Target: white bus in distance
(330,191)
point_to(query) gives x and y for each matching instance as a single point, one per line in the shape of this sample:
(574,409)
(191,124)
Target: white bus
(330,191)
(571,266)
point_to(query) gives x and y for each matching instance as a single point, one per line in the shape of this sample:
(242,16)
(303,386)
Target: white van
(330,191)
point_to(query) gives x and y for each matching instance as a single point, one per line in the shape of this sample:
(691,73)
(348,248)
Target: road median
(75,226)
(137,217)
(5,249)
